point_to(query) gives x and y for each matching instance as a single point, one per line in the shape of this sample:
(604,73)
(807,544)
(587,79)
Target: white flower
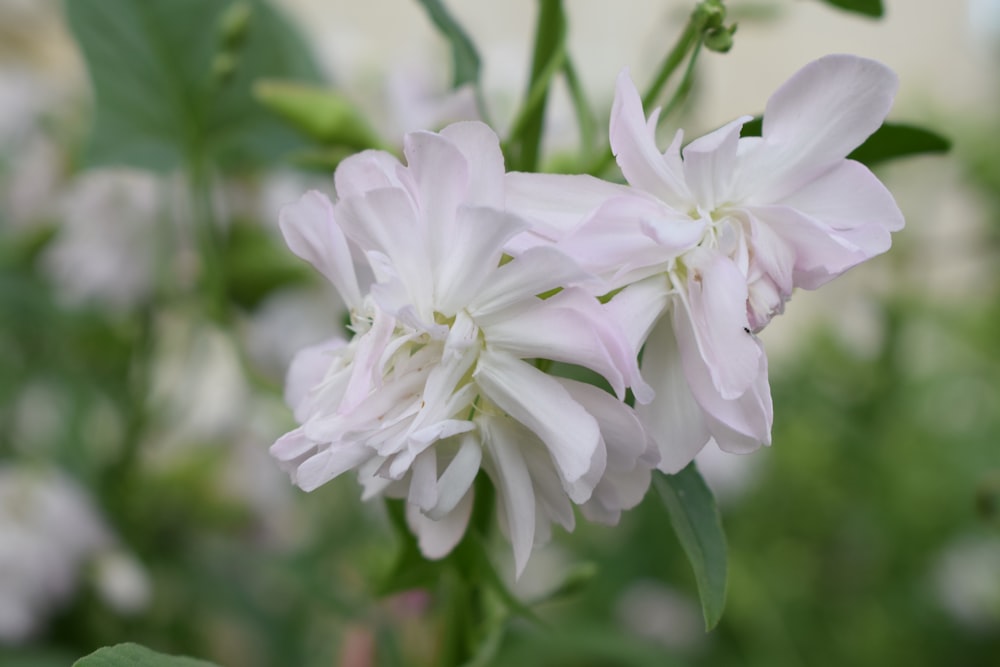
(718,235)
(439,380)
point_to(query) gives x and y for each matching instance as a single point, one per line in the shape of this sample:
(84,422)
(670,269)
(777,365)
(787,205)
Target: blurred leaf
(465,59)
(696,521)
(871,8)
(133,655)
(411,569)
(891,141)
(319,113)
(256,265)
(162,97)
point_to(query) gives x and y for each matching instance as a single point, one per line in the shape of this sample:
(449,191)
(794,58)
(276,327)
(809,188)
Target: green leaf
(322,114)
(465,59)
(696,520)
(172,80)
(133,655)
(871,8)
(256,265)
(891,141)
(895,140)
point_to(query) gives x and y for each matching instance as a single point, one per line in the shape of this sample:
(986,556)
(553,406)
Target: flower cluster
(465,283)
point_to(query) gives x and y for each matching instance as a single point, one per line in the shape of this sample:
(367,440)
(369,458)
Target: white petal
(442,177)
(475,247)
(638,307)
(673,419)
(822,113)
(436,539)
(481,148)
(716,303)
(308,368)
(633,142)
(709,162)
(536,271)
(330,463)
(457,478)
(556,203)
(311,231)
(540,403)
(513,484)
(366,171)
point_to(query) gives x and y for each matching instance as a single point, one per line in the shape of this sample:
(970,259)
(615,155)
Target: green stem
(689,37)
(209,240)
(684,88)
(523,147)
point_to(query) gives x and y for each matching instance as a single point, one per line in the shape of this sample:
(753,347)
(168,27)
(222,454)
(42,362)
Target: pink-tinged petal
(633,142)
(311,231)
(822,113)
(709,163)
(835,222)
(624,436)
(639,306)
(716,305)
(540,403)
(329,463)
(631,237)
(456,480)
(555,204)
(507,468)
(739,424)
(385,221)
(442,177)
(673,419)
(369,170)
(308,368)
(535,272)
(481,148)
(292,446)
(436,539)
(574,328)
(474,251)
(366,370)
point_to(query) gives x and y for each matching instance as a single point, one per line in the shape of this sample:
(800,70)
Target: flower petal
(513,483)
(540,403)
(709,163)
(535,272)
(311,231)
(481,148)
(673,418)
(457,478)
(308,368)
(633,142)
(436,538)
(369,170)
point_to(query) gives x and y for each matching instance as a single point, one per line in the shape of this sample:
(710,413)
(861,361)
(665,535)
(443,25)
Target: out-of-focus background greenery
(148,309)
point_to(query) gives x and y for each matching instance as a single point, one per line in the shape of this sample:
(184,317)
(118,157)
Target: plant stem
(209,240)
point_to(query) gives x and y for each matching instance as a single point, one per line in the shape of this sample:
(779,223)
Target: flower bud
(720,40)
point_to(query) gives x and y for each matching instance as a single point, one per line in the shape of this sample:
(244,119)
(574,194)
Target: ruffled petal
(540,403)
(311,231)
(709,164)
(369,170)
(674,418)
(535,272)
(633,141)
(308,368)
(481,148)
(514,486)
(436,538)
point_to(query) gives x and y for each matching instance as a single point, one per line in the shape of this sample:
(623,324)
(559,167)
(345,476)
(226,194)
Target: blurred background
(148,309)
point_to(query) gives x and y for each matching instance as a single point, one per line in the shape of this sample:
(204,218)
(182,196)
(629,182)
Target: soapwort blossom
(709,241)
(439,380)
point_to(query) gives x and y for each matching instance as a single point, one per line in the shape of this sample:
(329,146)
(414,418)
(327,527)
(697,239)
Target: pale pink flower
(718,234)
(438,380)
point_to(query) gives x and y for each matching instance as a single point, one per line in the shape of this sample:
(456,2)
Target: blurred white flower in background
(51,531)
(655,612)
(106,249)
(966,580)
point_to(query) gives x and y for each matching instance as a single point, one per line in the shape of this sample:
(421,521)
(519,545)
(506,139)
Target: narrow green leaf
(134,655)
(891,141)
(696,520)
(871,8)
(465,59)
(584,115)
(322,114)
(172,80)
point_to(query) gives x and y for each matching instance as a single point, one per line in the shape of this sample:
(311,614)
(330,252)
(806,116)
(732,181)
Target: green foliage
(133,655)
(323,115)
(172,81)
(890,142)
(255,266)
(465,58)
(696,521)
(872,8)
